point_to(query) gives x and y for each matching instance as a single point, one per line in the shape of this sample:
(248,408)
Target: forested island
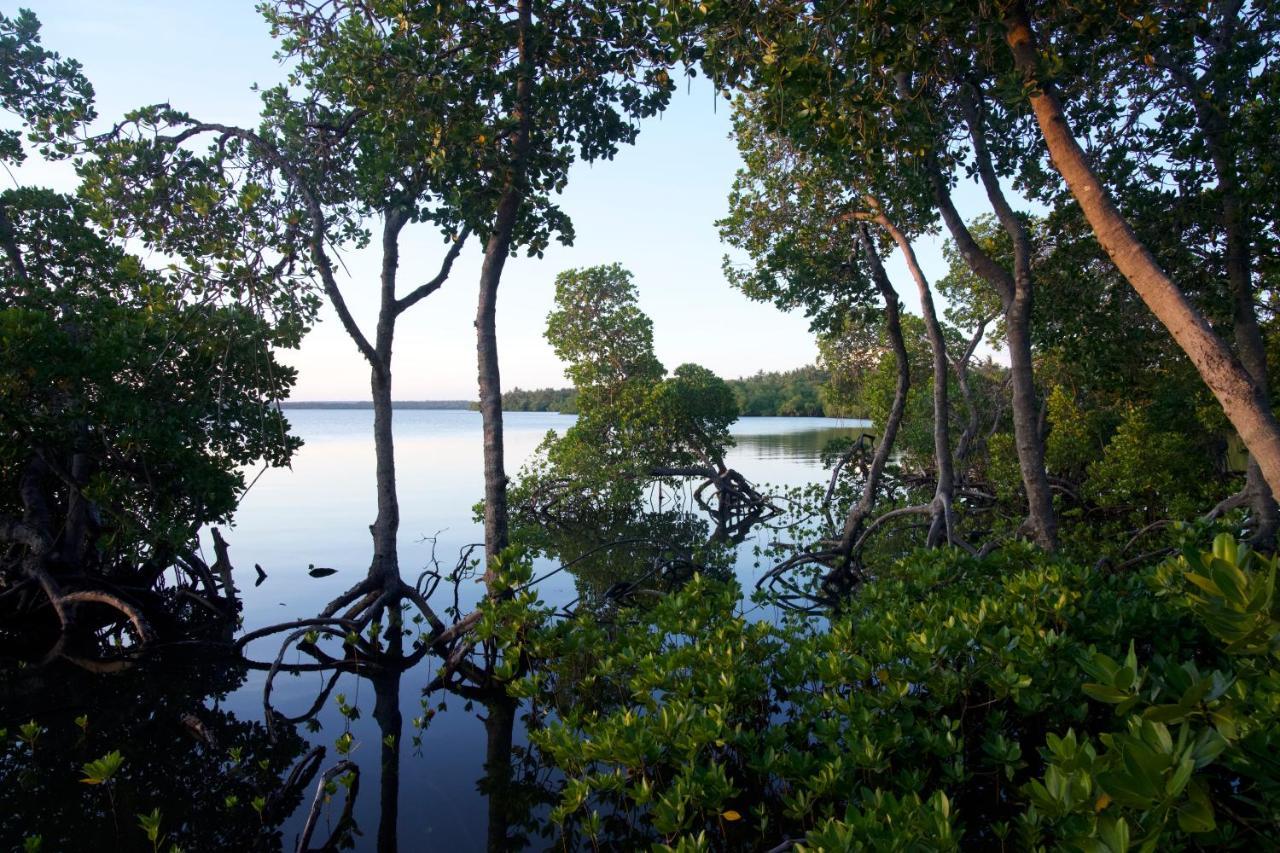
(1032,607)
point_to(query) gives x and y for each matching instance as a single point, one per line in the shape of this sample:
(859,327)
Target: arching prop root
(785,592)
(843,567)
(349,619)
(100,618)
(346,820)
(723,493)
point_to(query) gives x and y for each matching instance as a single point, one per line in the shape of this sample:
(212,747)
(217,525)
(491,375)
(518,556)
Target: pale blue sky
(652,209)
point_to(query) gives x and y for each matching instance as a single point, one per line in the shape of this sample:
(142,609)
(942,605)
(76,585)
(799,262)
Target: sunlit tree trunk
(889,431)
(1230,383)
(943,524)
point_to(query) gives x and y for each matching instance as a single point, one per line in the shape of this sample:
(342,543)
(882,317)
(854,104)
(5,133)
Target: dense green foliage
(634,421)
(1115,688)
(802,392)
(109,368)
(1015,699)
(563,400)
(131,397)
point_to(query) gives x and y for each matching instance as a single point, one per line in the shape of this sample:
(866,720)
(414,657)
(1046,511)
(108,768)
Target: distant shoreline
(469,406)
(464,405)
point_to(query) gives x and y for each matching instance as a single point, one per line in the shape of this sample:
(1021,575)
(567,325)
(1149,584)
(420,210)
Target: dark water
(318,513)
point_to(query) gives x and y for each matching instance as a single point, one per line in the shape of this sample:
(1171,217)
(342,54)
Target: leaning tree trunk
(893,326)
(495,258)
(943,523)
(1227,379)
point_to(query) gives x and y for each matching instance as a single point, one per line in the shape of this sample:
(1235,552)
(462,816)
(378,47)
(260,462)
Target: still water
(317,513)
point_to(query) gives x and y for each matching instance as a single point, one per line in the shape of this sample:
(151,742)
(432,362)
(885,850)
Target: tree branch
(316,213)
(424,290)
(9,240)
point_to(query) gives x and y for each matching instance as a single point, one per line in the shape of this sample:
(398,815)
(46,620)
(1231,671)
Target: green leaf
(101,770)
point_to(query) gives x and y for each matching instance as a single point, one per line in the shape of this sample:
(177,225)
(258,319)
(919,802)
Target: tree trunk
(1226,378)
(387,524)
(386,712)
(893,326)
(943,519)
(79,530)
(495,258)
(965,445)
(498,727)
(490,382)
(386,527)
(1015,292)
(1239,263)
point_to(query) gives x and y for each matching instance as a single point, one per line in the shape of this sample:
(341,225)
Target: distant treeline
(789,393)
(365,404)
(562,400)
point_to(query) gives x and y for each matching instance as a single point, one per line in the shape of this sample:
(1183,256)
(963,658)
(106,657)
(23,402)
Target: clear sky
(652,209)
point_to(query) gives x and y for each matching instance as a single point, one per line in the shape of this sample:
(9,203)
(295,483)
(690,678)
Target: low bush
(1015,701)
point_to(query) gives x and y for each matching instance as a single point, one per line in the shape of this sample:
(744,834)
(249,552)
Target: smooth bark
(1230,383)
(943,518)
(893,327)
(1250,347)
(1016,292)
(495,258)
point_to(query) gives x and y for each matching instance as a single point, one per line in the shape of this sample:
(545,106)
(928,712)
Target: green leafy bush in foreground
(1018,701)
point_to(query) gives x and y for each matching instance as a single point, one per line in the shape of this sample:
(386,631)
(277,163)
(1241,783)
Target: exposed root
(85,613)
(345,820)
(130,612)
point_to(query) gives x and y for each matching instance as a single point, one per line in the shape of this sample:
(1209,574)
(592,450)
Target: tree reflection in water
(224,783)
(219,782)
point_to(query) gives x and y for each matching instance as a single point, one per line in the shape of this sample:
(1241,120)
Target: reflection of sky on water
(319,511)
(798,446)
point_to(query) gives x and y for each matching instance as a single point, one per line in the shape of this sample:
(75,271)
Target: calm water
(318,513)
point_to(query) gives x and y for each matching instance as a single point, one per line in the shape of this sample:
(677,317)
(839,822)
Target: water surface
(318,512)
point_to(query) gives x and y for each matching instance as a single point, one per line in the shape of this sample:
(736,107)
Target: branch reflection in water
(305,776)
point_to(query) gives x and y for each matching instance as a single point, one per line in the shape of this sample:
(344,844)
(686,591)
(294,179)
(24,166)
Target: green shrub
(1018,700)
